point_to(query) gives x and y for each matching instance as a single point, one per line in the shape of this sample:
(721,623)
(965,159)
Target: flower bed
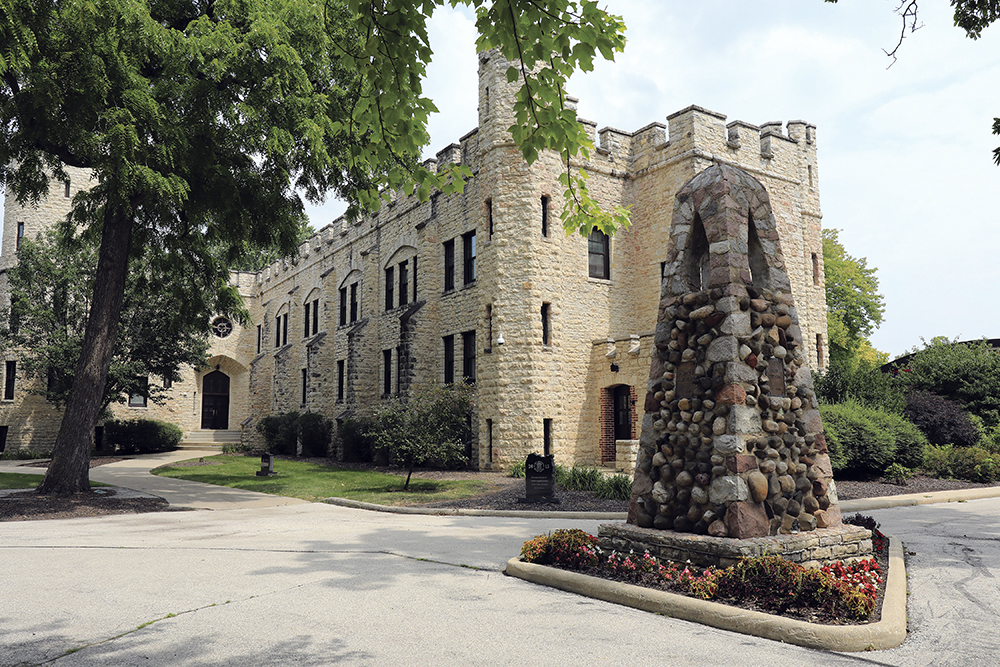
(839,593)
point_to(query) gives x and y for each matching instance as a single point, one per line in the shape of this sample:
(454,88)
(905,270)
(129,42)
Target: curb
(929,498)
(457,511)
(889,632)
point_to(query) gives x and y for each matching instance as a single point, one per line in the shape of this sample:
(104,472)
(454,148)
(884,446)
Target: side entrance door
(215,401)
(623,412)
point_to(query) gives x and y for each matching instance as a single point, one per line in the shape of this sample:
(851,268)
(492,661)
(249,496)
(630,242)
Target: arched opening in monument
(755,255)
(215,401)
(696,266)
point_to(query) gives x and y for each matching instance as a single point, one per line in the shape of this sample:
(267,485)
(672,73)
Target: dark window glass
(404,286)
(316,316)
(386,372)
(306,319)
(354,302)
(277,331)
(343,306)
(305,385)
(284,329)
(598,248)
(9,378)
(546,329)
(449,359)
(449,265)
(545,216)
(389,283)
(489,216)
(469,257)
(259,335)
(469,356)
(415,279)
(340,380)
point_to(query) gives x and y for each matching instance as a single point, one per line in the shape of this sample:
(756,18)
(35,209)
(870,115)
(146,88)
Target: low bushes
(586,478)
(354,439)
(141,436)
(865,441)
(941,420)
(282,433)
(970,463)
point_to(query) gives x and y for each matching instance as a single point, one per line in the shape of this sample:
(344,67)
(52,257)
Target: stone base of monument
(814,548)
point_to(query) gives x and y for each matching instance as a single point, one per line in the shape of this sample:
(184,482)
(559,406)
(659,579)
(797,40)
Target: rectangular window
(284,329)
(3,437)
(354,302)
(389,283)
(545,216)
(259,335)
(8,381)
(449,265)
(66,191)
(489,440)
(598,250)
(489,216)
(343,306)
(469,356)
(449,359)
(340,380)
(306,319)
(20,235)
(399,369)
(489,326)
(546,436)
(137,399)
(469,257)
(546,329)
(415,278)
(404,286)
(277,331)
(305,385)
(315,317)
(386,372)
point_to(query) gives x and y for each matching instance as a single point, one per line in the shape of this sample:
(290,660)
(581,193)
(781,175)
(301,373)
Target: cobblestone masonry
(525,383)
(732,443)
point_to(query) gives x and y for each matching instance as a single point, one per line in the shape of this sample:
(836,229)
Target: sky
(905,152)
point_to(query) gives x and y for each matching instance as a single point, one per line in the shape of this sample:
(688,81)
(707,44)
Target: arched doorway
(215,401)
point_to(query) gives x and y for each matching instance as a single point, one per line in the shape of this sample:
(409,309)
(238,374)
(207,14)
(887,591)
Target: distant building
(418,293)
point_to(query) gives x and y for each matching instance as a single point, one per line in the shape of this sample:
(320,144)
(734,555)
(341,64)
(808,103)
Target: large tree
(854,307)
(201,120)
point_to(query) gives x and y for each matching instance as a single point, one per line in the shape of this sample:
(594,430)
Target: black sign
(684,379)
(540,478)
(776,376)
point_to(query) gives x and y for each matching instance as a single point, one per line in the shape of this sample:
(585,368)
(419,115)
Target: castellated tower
(419,293)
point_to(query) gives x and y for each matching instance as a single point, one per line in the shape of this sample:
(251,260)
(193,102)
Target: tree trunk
(69,471)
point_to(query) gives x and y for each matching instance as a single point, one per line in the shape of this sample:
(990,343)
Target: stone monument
(732,443)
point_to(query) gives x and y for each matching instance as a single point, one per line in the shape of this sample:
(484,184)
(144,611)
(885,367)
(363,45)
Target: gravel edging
(889,632)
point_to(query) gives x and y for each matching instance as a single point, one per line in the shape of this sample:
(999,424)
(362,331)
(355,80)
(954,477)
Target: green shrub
(615,487)
(22,455)
(280,433)
(865,441)
(942,421)
(973,464)
(141,436)
(579,478)
(517,470)
(314,432)
(862,382)
(968,373)
(355,442)
(897,474)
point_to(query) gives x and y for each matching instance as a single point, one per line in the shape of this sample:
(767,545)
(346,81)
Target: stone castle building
(555,331)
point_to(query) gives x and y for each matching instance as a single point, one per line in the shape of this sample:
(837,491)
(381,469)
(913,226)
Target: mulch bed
(29,506)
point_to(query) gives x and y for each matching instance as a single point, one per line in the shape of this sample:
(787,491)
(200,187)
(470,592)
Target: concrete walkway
(314,584)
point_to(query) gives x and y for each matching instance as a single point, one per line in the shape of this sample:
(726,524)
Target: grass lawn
(18,480)
(309,481)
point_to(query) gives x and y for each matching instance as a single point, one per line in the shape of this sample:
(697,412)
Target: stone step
(214,439)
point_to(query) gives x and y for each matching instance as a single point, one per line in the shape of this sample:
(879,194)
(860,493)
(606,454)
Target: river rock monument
(732,443)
